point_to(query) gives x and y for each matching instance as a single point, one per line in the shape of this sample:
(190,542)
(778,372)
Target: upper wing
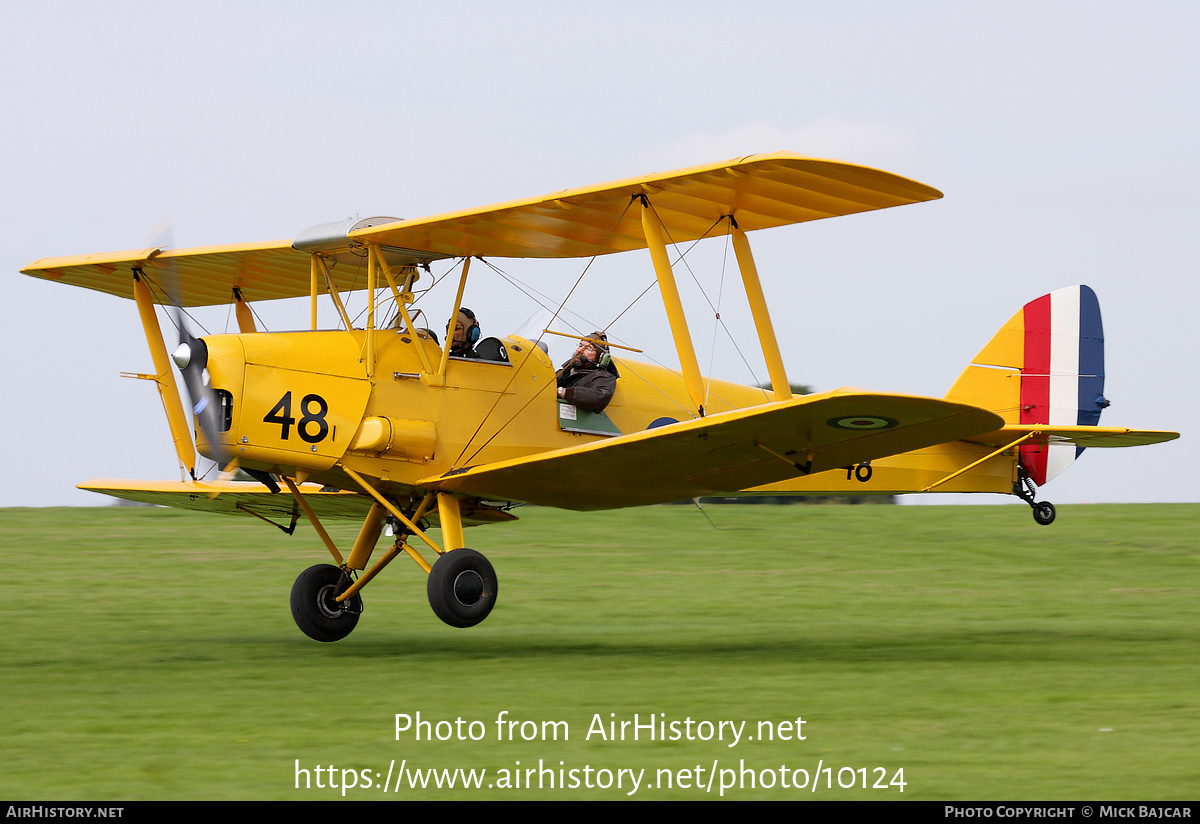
(759,192)
(1087,436)
(204,276)
(732,451)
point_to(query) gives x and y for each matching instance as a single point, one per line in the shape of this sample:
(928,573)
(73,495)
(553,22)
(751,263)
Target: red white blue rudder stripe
(1062,377)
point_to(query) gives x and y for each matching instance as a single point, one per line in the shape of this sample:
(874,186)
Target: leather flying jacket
(588,386)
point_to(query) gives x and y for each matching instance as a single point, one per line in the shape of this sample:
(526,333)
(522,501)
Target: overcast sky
(1063,134)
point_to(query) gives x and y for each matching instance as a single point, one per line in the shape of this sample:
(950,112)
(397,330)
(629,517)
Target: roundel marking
(862,422)
(657,422)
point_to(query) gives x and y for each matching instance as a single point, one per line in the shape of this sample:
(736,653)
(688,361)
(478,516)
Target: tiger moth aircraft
(378,422)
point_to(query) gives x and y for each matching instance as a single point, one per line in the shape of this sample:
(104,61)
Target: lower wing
(233,497)
(242,498)
(728,452)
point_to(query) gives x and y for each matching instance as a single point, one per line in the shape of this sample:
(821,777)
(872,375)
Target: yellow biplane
(382,423)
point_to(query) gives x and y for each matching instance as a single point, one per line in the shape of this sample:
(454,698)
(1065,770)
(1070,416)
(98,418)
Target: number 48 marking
(281,413)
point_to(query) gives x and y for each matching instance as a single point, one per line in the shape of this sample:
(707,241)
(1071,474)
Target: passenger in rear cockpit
(589,379)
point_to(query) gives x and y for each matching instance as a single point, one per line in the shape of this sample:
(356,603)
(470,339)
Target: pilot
(465,335)
(589,378)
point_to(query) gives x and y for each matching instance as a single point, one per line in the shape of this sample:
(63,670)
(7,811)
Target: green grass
(150,654)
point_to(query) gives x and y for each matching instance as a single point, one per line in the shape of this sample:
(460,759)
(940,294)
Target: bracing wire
(557,312)
(716,311)
(162,299)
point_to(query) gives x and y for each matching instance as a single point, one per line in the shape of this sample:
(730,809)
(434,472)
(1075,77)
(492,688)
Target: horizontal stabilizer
(728,452)
(1082,436)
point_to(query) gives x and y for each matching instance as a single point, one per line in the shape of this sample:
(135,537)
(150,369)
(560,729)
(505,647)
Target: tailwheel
(314,609)
(462,587)
(1044,512)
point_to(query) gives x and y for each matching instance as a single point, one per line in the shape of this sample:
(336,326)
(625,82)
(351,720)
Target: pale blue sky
(1063,134)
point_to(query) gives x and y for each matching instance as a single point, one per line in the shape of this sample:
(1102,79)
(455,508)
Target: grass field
(150,654)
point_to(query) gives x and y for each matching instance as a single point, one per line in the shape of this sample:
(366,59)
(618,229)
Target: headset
(471,333)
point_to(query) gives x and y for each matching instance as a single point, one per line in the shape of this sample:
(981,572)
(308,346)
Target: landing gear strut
(1043,512)
(461,586)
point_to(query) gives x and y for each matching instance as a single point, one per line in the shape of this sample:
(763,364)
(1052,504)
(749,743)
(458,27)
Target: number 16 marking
(860,472)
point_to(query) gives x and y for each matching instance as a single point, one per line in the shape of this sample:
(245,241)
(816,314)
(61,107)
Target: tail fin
(1045,366)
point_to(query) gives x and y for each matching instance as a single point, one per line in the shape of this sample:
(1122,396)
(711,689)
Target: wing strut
(652,228)
(319,262)
(462,285)
(372,281)
(168,390)
(245,318)
(762,318)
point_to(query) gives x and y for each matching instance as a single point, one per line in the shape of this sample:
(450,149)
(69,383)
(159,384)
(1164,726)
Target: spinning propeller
(191,357)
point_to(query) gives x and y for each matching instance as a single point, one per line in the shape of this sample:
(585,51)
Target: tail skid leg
(1026,490)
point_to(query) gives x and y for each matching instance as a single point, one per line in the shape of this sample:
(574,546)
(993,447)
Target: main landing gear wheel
(1044,513)
(314,609)
(462,588)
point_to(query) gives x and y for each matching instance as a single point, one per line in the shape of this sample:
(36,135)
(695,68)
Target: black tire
(1044,513)
(313,608)
(462,588)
